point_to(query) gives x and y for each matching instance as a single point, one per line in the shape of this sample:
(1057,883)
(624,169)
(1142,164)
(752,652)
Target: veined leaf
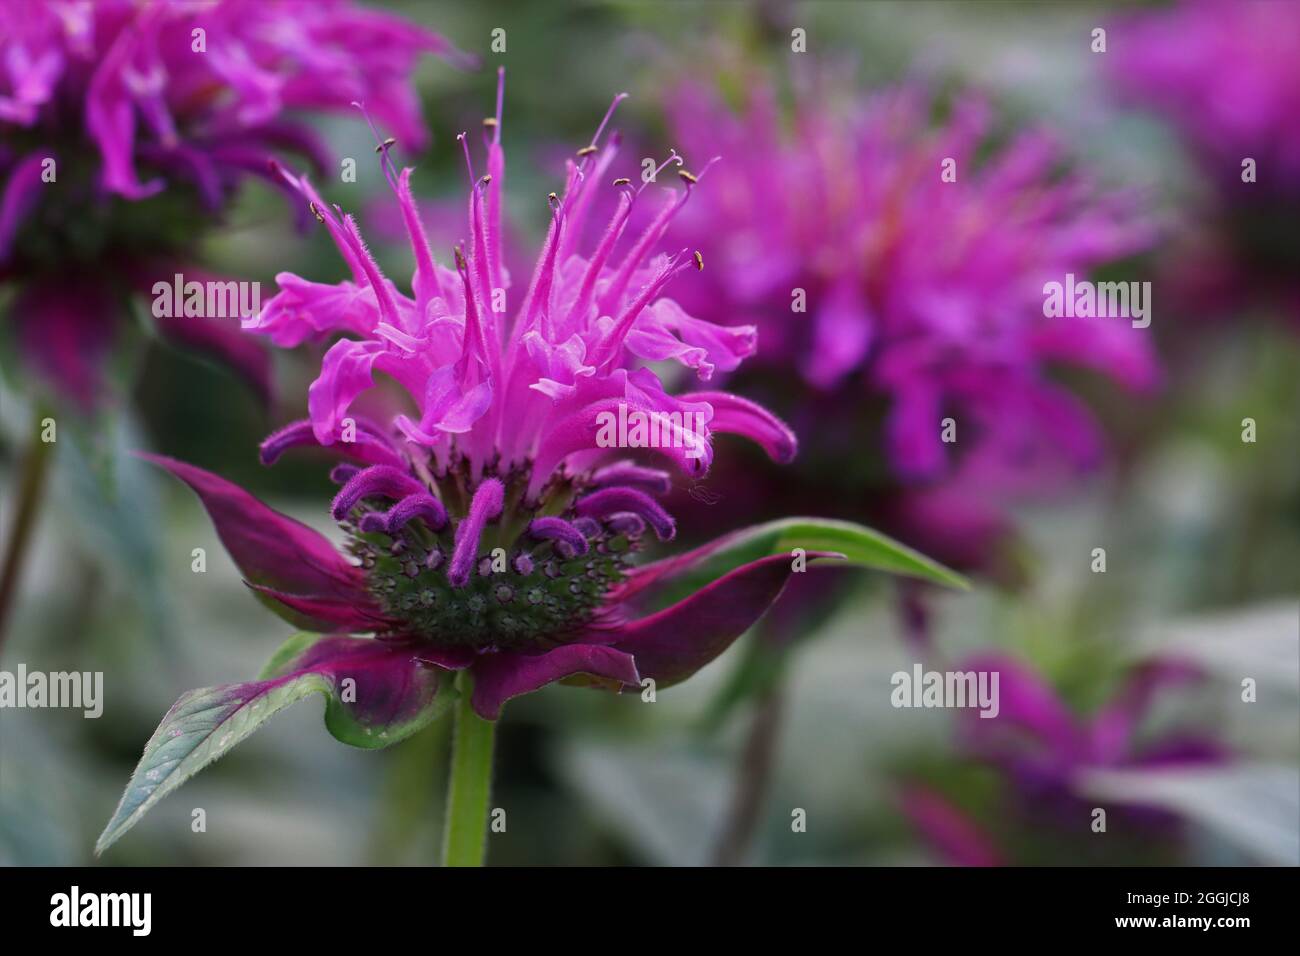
(376,693)
(859,545)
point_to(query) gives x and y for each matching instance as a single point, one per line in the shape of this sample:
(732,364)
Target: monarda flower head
(122,123)
(893,250)
(1046,755)
(1226,76)
(493,534)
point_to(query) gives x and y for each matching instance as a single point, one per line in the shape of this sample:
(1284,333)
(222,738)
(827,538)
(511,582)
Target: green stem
(464,838)
(31,485)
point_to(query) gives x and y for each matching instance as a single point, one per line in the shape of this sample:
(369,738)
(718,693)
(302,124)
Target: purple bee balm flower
(1226,73)
(895,266)
(1044,750)
(493,532)
(123,123)
(1226,76)
(490,526)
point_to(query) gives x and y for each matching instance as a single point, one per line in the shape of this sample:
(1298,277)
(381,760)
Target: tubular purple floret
(375,278)
(617,223)
(501,95)
(422,505)
(624,271)
(609,114)
(611,346)
(299,433)
(489,497)
(628,473)
(609,501)
(290,436)
(626,523)
(376,481)
(342,473)
(557,529)
(373,521)
(474,343)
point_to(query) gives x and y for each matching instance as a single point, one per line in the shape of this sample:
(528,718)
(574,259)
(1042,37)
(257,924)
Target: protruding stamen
(469,163)
(699,261)
(484,507)
(384,145)
(588,150)
(343,473)
(424,506)
(672,158)
(559,530)
(376,481)
(613,500)
(688,177)
(622,181)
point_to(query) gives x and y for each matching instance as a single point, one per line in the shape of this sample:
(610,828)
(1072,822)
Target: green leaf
(860,546)
(377,693)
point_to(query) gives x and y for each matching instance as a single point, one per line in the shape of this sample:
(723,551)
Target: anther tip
(699,261)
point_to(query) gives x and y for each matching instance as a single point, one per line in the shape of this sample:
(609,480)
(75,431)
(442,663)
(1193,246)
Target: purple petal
(947,829)
(626,473)
(610,501)
(270,549)
(499,677)
(674,643)
(65,331)
(370,445)
(1111,730)
(21,192)
(557,529)
(377,481)
(485,506)
(393,687)
(734,415)
(1028,705)
(423,505)
(324,615)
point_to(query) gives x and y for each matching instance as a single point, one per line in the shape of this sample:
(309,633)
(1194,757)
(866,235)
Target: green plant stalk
(31,486)
(464,839)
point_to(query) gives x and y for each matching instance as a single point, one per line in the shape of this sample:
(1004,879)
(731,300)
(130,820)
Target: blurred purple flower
(1044,750)
(924,298)
(152,114)
(1044,747)
(1226,73)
